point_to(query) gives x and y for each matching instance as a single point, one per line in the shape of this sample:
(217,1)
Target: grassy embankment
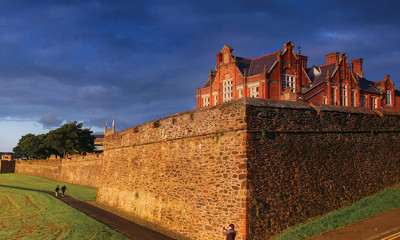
(33,215)
(387,200)
(38,183)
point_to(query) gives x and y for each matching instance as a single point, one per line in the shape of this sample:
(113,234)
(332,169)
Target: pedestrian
(63,188)
(230,233)
(56,191)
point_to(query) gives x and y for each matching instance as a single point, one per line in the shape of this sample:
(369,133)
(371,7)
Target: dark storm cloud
(136,61)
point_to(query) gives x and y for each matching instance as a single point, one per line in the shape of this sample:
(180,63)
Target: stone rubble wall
(307,161)
(82,170)
(186,172)
(7,166)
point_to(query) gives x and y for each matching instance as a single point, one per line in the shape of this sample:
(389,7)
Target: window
(333,99)
(288,81)
(374,103)
(388,97)
(240,91)
(343,96)
(206,101)
(353,98)
(362,101)
(227,90)
(215,99)
(324,100)
(254,92)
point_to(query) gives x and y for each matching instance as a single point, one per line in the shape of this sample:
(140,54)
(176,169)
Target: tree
(71,139)
(32,146)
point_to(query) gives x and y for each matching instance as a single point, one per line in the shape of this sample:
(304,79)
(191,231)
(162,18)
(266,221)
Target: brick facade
(284,75)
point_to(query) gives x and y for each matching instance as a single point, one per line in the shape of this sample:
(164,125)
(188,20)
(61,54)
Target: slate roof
(321,77)
(368,86)
(365,85)
(256,65)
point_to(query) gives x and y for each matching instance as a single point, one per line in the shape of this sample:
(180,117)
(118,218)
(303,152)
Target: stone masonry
(261,164)
(82,170)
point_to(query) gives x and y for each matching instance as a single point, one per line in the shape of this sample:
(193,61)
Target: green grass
(33,215)
(39,183)
(388,199)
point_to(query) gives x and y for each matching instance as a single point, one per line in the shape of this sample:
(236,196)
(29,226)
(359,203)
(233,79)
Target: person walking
(230,233)
(63,188)
(56,191)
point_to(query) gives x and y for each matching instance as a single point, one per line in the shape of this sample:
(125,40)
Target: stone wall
(82,170)
(307,161)
(261,164)
(186,172)
(7,166)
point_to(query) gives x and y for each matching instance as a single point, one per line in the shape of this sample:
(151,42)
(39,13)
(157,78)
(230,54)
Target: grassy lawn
(388,199)
(32,215)
(19,180)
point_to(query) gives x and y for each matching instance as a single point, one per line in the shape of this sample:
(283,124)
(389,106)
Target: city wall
(82,170)
(261,164)
(186,172)
(7,166)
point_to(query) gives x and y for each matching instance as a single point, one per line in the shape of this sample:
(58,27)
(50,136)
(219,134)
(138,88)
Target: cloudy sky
(136,61)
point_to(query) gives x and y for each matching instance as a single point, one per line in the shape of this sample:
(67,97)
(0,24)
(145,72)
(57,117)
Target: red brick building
(284,75)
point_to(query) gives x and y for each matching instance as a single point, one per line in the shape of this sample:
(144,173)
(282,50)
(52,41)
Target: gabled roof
(209,82)
(321,77)
(256,65)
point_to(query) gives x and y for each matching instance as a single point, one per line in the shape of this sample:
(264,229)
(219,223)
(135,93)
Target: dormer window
(288,81)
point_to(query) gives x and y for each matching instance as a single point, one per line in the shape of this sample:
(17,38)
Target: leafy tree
(71,139)
(67,140)
(32,146)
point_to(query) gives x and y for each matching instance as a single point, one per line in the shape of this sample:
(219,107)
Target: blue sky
(136,61)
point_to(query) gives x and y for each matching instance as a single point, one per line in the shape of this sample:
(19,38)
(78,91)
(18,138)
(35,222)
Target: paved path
(384,226)
(122,225)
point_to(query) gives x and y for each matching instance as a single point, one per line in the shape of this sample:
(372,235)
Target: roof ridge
(264,55)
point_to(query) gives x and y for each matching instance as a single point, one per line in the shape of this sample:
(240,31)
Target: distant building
(284,75)
(98,142)
(6,156)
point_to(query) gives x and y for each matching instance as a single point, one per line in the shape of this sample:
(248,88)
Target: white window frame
(206,101)
(288,81)
(215,95)
(240,91)
(389,98)
(227,90)
(254,90)
(353,98)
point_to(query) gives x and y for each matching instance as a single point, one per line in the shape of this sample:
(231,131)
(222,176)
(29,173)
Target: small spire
(328,75)
(265,67)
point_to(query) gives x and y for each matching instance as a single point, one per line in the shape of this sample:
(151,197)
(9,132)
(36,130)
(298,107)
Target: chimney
(303,60)
(357,66)
(387,77)
(332,58)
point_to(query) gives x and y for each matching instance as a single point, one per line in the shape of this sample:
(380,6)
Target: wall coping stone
(345,109)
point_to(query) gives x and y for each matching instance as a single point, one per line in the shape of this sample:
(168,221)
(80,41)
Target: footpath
(383,226)
(120,224)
